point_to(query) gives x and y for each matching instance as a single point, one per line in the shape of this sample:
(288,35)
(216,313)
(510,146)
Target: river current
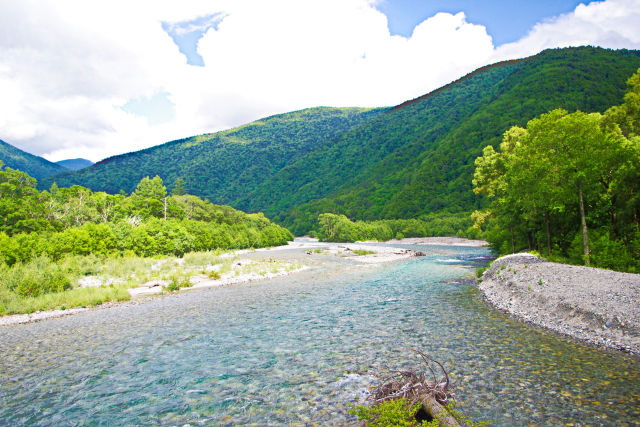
(296,350)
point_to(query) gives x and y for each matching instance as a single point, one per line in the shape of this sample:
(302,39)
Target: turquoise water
(294,351)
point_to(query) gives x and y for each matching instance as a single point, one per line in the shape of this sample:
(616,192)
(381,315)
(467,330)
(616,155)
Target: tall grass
(42,284)
(11,303)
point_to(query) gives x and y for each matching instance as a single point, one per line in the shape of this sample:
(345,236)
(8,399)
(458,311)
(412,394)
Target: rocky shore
(591,304)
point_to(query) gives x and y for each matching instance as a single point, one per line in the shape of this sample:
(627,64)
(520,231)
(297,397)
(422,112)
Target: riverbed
(295,350)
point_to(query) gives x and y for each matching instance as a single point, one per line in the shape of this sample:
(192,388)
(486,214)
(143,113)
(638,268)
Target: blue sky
(506,21)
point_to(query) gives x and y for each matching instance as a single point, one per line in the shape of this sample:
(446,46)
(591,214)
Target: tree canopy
(561,176)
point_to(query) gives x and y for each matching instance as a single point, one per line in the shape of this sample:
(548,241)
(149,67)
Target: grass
(42,284)
(11,303)
(214,274)
(179,281)
(361,252)
(202,259)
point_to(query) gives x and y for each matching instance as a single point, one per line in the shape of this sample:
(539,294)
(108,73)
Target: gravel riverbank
(591,304)
(369,255)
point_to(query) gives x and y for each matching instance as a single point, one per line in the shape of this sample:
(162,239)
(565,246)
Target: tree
(560,163)
(627,115)
(20,207)
(148,197)
(179,188)
(585,155)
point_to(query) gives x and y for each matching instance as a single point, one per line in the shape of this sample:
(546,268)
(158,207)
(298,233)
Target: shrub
(178,281)
(36,277)
(394,412)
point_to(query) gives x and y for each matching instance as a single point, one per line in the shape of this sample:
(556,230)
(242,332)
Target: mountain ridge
(399,162)
(74,164)
(36,166)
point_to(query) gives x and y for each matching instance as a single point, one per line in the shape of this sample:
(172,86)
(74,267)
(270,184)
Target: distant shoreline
(594,305)
(430,241)
(440,241)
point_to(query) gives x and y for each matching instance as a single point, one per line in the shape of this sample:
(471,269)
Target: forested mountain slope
(402,162)
(35,166)
(418,157)
(223,166)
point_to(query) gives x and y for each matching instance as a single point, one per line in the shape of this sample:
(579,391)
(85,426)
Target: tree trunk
(513,242)
(547,221)
(438,412)
(585,233)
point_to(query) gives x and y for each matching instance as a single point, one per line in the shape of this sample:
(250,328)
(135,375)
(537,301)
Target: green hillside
(418,157)
(226,165)
(403,162)
(35,166)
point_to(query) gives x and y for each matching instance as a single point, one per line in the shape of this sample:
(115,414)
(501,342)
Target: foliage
(76,221)
(226,165)
(33,165)
(179,281)
(418,157)
(213,274)
(390,413)
(34,278)
(568,183)
(45,284)
(49,239)
(361,252)
(399,412)
(411,160)
(338,228)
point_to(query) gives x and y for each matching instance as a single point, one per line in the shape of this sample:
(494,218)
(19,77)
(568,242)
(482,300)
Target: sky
(100,78)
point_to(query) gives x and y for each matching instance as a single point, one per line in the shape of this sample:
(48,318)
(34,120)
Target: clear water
(294,351)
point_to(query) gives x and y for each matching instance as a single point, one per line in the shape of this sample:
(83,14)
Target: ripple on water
(297,349)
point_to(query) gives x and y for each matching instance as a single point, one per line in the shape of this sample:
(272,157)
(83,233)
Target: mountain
(223,166)
(401,162)
(75,164)
(35,166)
(419,157)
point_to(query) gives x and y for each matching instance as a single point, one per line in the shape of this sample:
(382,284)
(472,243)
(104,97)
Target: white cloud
(612,24)
(68,66)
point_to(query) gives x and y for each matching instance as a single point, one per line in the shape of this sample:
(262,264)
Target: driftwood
(422,387)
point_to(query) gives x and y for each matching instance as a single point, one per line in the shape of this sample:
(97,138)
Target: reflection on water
(296,350)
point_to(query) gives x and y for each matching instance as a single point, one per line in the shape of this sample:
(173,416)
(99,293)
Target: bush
(178,282)
(390,413)
(35,278)
(213,274)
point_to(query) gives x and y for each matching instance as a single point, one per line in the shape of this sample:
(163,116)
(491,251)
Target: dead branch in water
(412,385)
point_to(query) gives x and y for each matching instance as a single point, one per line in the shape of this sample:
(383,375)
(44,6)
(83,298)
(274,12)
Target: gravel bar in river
(592,304)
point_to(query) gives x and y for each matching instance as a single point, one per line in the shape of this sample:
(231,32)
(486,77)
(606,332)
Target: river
(296,350)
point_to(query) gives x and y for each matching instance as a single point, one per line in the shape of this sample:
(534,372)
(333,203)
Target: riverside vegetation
(568,186)
(50,239)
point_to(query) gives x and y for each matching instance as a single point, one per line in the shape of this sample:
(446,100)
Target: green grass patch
(361,252)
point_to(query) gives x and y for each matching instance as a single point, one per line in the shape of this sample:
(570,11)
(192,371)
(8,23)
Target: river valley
(295,350)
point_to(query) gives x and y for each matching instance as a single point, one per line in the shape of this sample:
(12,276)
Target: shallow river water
(296,350)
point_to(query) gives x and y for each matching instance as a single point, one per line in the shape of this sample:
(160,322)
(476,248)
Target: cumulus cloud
(70,69)
(612,24)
